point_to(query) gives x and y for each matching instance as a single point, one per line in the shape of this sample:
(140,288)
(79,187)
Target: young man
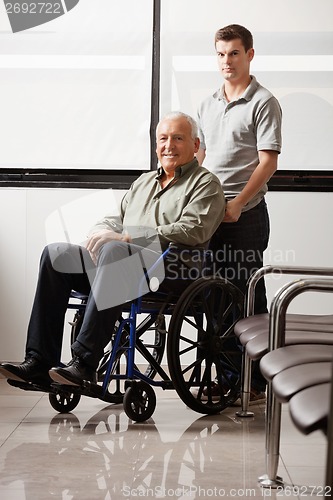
(240,140)
(182,203)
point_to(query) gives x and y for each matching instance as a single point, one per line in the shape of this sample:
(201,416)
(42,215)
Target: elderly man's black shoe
(31,370)
(74,373)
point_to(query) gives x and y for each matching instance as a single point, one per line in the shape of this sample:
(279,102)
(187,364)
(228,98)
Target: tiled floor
(96,452)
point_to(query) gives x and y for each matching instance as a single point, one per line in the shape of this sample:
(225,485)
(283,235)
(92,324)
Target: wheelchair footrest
(90,390)
(29,386)
(96,391)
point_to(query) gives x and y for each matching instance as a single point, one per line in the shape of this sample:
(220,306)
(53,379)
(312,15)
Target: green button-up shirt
(185,212)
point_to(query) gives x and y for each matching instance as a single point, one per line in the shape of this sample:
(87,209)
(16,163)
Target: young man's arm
(201,154)
(265,169)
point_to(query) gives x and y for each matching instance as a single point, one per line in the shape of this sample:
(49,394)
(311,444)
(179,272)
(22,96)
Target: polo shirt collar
(248,93)
(250,90)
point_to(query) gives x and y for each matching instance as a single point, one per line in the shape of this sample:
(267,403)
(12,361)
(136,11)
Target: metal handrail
(269,269)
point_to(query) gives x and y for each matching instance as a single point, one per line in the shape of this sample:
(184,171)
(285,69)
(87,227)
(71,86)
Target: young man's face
(175,145)
(233,61)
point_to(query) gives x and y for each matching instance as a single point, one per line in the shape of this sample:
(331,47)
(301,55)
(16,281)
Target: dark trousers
(238,251)
(116,279)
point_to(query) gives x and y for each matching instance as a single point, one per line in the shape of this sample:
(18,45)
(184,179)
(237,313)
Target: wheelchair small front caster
(64,401)
(139,401)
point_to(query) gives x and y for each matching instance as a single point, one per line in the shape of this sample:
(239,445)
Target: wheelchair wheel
(139,401)
(64,402)
(202,348)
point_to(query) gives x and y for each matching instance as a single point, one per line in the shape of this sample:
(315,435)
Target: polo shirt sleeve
(268,124)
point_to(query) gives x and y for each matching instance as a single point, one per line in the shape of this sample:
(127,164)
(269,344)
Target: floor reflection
(109,457)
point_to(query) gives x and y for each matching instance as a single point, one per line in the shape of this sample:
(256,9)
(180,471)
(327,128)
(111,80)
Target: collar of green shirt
(180,171)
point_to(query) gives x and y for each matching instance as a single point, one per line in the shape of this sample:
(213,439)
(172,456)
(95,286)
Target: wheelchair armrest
(172,248)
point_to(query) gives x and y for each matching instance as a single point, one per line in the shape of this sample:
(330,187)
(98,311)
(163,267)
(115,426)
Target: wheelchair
(193,329)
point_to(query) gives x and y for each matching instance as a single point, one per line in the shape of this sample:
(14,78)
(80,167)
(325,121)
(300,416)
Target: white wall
(301,234)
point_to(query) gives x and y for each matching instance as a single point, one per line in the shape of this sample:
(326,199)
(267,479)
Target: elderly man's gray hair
(180,114)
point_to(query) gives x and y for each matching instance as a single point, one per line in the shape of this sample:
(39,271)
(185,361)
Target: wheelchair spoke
(195,364)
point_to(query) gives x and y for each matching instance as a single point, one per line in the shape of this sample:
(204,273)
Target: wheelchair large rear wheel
(203,355)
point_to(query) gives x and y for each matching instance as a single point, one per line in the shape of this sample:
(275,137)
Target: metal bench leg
(273,429)
(329,467)
(329,456)
(246,387)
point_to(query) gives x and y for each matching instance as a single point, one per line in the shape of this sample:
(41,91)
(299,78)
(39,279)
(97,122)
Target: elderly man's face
(175,145)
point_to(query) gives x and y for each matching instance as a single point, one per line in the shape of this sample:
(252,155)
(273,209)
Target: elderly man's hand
(96,240)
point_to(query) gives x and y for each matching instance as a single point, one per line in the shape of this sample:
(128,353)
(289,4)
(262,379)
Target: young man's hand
(233,211)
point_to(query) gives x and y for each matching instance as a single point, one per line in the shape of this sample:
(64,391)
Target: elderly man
(181,203)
